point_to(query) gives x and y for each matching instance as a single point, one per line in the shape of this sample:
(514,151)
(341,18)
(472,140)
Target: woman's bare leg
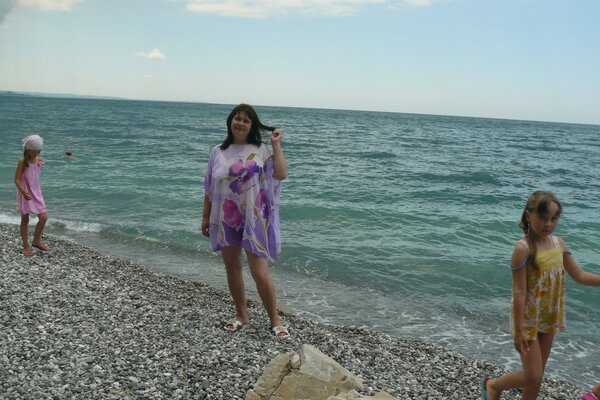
(264,285)
(232,257)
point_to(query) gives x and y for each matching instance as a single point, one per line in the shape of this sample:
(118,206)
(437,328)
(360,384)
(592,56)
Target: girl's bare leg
(24,232)
(545,343)
(232,257)
(596,390)
(531,375)
(264,285)
(39,228)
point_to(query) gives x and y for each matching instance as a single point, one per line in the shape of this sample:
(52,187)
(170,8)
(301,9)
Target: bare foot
(41,246)
(27,252)
(491,393)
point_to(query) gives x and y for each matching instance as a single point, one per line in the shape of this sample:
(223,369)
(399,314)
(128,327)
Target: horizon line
(72,96)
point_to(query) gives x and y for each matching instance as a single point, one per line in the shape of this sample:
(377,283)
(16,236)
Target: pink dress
(30,179)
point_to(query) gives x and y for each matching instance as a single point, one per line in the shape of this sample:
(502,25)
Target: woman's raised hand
(276,136)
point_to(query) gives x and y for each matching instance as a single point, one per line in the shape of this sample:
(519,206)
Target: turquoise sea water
(397,222)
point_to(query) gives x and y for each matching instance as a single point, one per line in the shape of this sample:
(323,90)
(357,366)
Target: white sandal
(235,325)
(278,330)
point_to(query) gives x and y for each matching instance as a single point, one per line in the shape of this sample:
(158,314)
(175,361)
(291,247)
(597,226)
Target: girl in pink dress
(29,193)
(595,395)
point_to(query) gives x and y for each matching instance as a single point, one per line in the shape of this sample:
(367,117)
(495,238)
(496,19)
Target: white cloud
(154,54)
(268,8)
(148,76)
(49,5)
(415,3)
(418,3)
(6,7)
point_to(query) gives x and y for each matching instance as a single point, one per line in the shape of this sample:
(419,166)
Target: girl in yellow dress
(539,262)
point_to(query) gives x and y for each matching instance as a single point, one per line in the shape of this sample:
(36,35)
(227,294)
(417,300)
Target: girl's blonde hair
(538,202)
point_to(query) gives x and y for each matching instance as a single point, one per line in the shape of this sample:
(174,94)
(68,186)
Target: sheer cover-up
(244,199)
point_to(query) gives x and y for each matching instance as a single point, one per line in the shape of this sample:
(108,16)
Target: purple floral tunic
(244,199)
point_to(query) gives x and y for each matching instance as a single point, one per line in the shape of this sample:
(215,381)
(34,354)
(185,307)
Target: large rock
(307,375)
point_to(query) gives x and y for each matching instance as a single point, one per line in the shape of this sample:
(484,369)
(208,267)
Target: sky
(514,59)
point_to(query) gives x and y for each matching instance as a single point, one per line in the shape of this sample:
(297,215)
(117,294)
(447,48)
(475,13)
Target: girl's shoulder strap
(559,243)
(517,263)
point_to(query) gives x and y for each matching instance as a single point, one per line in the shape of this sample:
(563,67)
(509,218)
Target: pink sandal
(589,396)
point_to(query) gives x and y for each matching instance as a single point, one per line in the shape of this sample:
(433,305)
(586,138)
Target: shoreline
(75,322)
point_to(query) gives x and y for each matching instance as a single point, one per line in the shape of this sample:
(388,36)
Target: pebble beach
(75,323)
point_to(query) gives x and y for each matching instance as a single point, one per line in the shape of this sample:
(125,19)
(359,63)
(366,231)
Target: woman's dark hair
(539,202)
(254,136)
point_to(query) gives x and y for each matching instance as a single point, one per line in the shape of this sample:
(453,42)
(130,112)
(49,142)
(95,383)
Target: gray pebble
(79,324)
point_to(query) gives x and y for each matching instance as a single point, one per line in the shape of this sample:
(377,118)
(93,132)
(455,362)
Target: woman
(241,209)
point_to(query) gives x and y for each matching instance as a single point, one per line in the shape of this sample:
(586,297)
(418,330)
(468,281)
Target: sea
(399,223)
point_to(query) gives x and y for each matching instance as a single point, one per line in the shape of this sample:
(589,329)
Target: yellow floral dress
(544,309)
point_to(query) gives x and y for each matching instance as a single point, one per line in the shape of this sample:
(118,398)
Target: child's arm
(18,173)
(575,271)
(519,290)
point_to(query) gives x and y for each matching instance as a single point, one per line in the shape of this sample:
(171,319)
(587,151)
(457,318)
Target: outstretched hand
(276,136)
